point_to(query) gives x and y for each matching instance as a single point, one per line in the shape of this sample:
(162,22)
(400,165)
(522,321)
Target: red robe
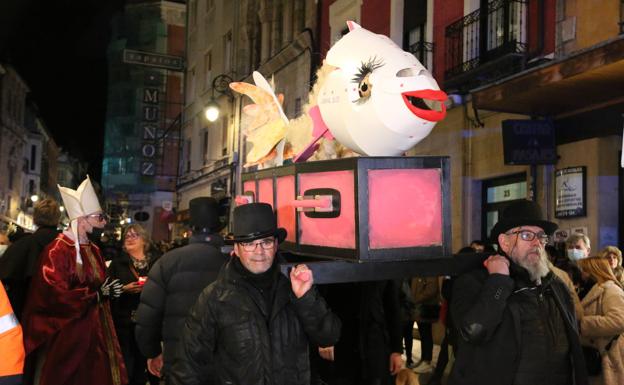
(63,317)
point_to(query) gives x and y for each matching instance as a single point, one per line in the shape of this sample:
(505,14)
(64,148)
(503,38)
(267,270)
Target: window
(191,84)
(188,155)
(31,187)
(208,69)
(227,52)
(205,146)
(193,15)
(33,157)
(224,136)
(419,47)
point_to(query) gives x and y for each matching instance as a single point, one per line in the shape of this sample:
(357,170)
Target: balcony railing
(486,35)
(423,51)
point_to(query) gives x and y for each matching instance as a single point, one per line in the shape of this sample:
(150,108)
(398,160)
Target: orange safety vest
(11,341)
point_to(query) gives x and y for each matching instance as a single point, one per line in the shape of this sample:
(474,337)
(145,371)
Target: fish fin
(352,25)
(251,109)
(264,84)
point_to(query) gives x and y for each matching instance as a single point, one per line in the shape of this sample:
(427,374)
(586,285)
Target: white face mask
(3,249)
(576,254)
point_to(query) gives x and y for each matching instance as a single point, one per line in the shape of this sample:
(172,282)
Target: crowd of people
(81,308)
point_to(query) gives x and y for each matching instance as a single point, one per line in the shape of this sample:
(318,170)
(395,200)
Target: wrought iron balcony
(423,51)
(495,36)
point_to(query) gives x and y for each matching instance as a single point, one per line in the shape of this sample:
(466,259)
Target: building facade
(143,118)
(551,66)
(227,41)
(28,152)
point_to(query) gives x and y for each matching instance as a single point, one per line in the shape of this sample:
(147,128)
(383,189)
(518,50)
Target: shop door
(498,193)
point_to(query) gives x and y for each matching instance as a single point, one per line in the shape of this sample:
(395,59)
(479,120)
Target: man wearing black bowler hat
(253,325)
(515,319)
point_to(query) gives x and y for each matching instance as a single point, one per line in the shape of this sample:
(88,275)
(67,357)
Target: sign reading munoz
(149,126)
(570,192)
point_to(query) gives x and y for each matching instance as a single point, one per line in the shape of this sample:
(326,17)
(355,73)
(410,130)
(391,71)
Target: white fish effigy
(371,96)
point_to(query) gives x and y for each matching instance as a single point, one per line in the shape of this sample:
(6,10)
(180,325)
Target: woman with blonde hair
(603,319)
(614,255)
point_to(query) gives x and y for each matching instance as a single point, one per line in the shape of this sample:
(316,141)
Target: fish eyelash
(366,68)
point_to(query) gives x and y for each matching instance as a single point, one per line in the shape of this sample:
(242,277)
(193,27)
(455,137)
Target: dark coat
(487,315)
(231,338)
(371,330)
(173,285)
(123,307)
(19,262)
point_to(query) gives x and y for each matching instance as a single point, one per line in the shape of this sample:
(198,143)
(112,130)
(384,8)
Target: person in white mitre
(68,329)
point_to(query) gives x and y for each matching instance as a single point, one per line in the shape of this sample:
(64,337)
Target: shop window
(497,195)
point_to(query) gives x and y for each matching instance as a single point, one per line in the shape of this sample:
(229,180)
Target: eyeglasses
(528,235)
(132,235)
(265,244)
(100,217)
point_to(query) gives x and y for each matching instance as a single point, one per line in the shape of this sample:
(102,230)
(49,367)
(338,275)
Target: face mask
(95,235)
(576,254)
(3,249)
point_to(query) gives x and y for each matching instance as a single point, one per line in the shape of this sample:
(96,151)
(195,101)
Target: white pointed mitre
(80,202)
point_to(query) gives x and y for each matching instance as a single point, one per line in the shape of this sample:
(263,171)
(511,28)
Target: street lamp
(34,198)
(221,84)
(212,111)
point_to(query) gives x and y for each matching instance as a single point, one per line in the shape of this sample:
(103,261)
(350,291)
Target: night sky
(59,48)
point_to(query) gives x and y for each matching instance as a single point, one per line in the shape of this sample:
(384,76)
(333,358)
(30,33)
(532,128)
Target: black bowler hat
(522,213)
(255,221)
(204,214)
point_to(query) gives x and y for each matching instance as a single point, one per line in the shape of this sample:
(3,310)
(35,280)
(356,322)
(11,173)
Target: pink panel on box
(331,232)
(405,208)
(285,210)
(250,186)
(265,191)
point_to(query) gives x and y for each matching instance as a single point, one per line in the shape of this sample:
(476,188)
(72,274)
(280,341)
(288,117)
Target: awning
(587,80)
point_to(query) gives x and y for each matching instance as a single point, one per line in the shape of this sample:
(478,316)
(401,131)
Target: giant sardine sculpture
(370,96)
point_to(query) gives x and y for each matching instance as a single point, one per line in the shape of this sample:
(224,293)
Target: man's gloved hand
(110,288)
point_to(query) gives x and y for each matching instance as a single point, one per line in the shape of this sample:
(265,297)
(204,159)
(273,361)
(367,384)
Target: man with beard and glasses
(515,319)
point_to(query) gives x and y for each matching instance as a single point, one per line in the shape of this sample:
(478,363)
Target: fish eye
(362,78)
(365,87)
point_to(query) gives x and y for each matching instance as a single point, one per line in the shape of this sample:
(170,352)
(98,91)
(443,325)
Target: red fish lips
(422,103)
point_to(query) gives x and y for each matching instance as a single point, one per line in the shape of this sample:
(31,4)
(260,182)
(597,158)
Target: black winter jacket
(122,308)
(230,338)
(173,285)
(488,311)
(19,262)
(371,331)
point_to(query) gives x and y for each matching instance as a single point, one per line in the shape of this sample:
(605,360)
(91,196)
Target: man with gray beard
(515,319)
